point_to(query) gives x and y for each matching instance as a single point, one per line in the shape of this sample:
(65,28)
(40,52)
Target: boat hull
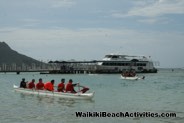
(130,78)
(55,94)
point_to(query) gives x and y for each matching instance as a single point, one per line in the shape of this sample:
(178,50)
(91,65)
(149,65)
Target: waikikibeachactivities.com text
(125,114)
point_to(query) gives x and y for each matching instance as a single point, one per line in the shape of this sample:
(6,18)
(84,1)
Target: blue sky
(89,29)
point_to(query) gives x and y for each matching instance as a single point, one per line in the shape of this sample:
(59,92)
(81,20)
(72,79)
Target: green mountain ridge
(9,56)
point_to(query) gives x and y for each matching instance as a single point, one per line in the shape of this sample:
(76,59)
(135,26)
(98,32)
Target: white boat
(111,63)
(118,62)
(78,95)
(132,78)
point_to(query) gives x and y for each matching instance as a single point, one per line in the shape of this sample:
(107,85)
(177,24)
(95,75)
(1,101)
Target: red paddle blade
(84,90)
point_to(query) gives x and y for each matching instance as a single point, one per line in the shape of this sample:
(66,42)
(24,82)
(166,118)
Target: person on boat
(31,85)
(70,86)
(143,77)
(129,74)
(61,86)
(49,85)
(40,85)
(23,83)
(132,73)
(125,74)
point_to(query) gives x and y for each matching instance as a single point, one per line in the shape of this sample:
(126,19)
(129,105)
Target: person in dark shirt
(23,83)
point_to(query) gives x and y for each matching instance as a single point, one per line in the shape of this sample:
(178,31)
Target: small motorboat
(78,95)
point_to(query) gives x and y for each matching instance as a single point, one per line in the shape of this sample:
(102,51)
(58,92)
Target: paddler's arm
(75,84)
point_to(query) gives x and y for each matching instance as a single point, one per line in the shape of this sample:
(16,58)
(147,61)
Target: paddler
(31,84)
(40,85)
(23,83)
(61,86)
(70,86)
(49,85)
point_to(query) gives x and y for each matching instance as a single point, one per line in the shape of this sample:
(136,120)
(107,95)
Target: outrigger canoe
(132,78)
(78,95)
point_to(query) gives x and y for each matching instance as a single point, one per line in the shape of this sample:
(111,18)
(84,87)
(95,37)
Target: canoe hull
(130,78)
(55,94)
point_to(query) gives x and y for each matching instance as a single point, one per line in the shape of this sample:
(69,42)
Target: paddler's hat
(70,80)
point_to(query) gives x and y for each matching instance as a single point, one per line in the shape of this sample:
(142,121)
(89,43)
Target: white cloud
(86,35)
(153,20)
(62,3)
(67,43)
(52,37)
(158,8)
(152,11)
(149,21)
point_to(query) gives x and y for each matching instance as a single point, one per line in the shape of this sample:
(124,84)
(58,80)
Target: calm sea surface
(162,92)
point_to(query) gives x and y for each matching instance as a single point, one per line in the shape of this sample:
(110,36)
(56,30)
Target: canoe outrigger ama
(78,95)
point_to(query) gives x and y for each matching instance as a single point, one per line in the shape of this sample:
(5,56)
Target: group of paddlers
(49,86)
(129,74)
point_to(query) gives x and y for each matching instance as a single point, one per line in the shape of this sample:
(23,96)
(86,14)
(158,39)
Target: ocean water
(162,92)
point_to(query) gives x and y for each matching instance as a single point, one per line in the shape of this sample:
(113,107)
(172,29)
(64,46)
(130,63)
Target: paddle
(84,88)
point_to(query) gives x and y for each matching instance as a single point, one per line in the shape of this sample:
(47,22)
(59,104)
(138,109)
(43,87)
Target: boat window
(111,64)
(123,64)
(119,64)
(108,56)
(138,64)
(140,68)
(105,63)
(134,60)
(127,64)
(114,56)
(141,64)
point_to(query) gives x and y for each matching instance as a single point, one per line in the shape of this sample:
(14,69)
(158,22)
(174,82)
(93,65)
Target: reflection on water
(45,99)
(52,100)
(24,95)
